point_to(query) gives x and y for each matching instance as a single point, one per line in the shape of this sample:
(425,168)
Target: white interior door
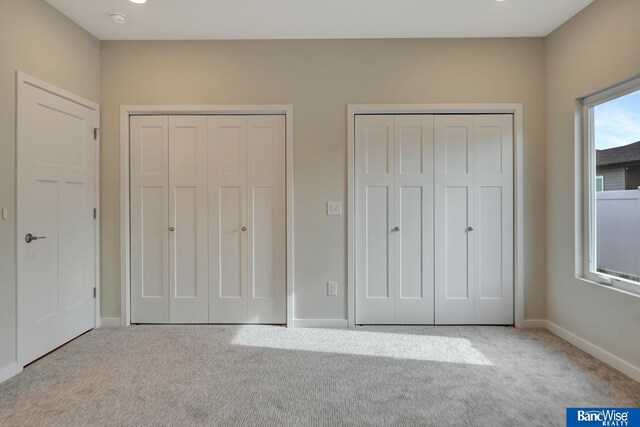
(493,207)
(188,240)
(149,157)
(266,220)
(394,217)
(375,219)
(227,143)
(413,190)
(56,271)
(474,219)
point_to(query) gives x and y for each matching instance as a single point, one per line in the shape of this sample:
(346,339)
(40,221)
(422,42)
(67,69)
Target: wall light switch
(332,289)
(5,213)
(334,208)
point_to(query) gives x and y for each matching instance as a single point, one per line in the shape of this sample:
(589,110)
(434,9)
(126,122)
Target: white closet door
(188,269)
(493,206)
(266,219)
(149,153)
(375,219)
(227,143)
(413,190)
(473,219)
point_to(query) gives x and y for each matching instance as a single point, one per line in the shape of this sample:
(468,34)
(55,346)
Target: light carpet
(273,376)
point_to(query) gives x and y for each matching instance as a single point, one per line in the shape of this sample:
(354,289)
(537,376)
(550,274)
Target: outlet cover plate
(334,208)
(332,289)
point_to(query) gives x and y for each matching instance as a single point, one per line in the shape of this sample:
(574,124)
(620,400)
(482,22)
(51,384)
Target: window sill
(614,286)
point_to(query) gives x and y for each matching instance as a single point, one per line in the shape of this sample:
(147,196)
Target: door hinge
(94,292)
(95,213)
(95,133)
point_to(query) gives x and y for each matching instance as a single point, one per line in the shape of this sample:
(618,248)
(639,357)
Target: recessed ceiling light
(138,1)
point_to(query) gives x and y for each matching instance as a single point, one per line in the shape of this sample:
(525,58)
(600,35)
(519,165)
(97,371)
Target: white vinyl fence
(618,231)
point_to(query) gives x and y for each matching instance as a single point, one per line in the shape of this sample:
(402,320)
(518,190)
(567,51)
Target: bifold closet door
(247,214)
(394,219)
(227,143)
(149,164)
(188,269)
(474,219)
(266,219)
(168,219)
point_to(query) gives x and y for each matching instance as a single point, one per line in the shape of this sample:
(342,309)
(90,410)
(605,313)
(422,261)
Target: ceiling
(319,19)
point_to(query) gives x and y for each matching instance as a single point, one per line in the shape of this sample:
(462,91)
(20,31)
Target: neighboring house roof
(619,156)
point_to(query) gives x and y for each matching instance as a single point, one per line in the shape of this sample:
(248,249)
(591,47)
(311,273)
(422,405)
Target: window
(612,186)
(599,183)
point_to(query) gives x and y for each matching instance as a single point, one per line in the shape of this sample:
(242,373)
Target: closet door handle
(469,228)
(396,229)
(171,228)
(244,228)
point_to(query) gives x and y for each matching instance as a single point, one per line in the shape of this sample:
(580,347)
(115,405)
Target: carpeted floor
(272,376)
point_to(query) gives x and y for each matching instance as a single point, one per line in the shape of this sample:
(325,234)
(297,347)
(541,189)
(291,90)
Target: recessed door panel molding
(149,219)
(474,219)
(56,190)
(394,217)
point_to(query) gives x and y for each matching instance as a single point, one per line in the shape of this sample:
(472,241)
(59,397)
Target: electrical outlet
(332,289)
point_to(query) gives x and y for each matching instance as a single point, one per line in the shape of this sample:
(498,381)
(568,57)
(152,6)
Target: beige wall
(38,40)
(320,78)
(595,49)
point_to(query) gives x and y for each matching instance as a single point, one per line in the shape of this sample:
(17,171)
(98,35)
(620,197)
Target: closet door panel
(266,219)
(454,193)
(413,158)
(188,270)
(227,143)
(149,164)
(493,251)
(375,219)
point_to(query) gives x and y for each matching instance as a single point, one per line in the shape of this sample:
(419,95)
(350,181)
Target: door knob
(244,228)
(171,228)
(30,237)
(469,228)
(396,229)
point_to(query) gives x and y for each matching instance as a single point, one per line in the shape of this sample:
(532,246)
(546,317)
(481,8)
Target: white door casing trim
(125,243)
(23,80)
(516,110)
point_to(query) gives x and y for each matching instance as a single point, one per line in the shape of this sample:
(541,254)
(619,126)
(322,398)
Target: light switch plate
(334,208)
(332,289)
(5,213)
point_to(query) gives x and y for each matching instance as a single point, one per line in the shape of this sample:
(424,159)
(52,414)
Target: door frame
(126,111)
(22,81)
(518,188)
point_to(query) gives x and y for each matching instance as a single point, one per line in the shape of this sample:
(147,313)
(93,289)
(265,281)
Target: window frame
(587,183)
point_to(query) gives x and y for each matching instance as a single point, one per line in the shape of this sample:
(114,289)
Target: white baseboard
(597,352)
(9,371)
(320,323)
(110,322)
(534,324)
